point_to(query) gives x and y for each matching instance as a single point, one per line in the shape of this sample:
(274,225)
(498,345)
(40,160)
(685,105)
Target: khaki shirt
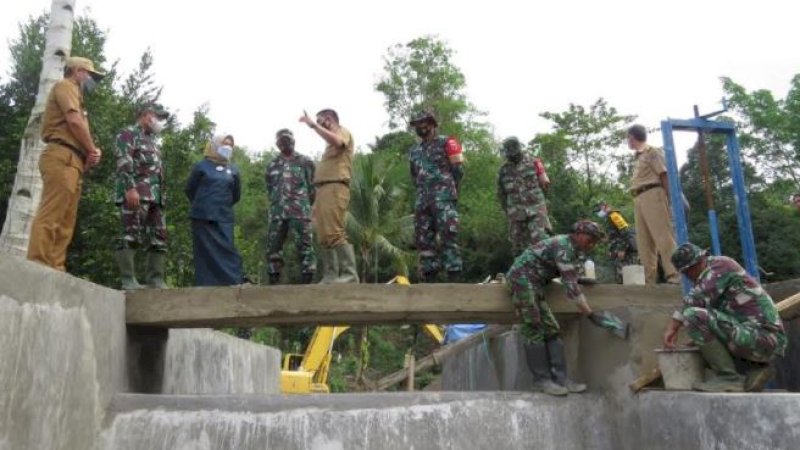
(648,166)
(333,166)
(65,97)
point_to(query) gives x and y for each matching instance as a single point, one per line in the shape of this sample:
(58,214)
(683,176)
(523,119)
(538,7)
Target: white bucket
(680,367)
(633,274)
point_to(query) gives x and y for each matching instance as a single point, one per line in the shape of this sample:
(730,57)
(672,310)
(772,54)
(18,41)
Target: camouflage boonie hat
(686,256)
(588,227)
(511,146)
(423,115)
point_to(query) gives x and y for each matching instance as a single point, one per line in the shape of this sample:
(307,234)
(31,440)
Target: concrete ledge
(202,361)
(62,353)
(688,420)
(449,420)
(370,421)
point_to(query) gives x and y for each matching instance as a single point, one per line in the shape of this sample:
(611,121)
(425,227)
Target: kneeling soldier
(727,314)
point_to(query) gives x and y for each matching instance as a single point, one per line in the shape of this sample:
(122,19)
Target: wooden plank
(440,355)
(644,380)
(790,307)
(353,304)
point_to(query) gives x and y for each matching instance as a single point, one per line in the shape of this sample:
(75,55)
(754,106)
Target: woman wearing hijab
(213,188)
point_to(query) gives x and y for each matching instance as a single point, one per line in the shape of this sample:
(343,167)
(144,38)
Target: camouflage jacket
(518,190)
(553,257)
(620,234)
(290,187)
(435,178)
(139,165)
(725,286)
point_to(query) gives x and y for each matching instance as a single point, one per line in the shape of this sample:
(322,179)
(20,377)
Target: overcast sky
(259,64)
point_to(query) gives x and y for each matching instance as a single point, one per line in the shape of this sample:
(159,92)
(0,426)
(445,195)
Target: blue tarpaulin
(457,332)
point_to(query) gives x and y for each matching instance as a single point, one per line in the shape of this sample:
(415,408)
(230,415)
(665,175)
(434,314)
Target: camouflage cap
(423,115)
(79,62)
(589,228)
(284,132)
(154,108)
(686,256)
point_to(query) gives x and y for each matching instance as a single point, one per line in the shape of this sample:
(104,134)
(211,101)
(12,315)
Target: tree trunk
(27,189)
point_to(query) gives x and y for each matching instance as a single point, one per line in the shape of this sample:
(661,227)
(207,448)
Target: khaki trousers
(54,224)
(654,234)
(330,213)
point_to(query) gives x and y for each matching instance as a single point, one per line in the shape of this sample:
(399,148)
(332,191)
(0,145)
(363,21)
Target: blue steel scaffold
(702,125)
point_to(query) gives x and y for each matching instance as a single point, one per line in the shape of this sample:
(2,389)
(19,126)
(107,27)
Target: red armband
(452,147)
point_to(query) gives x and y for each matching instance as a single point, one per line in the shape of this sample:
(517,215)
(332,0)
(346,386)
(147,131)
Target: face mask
(156,126)
(225,151)
(286,146)
(515,157)
(601,214)
(422,131)
(88,85)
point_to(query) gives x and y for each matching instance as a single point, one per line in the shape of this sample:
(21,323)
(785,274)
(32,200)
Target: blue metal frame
(676,192)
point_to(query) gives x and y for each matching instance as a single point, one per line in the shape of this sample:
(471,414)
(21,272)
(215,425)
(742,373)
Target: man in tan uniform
(650,190)
(332,182)
(70,150)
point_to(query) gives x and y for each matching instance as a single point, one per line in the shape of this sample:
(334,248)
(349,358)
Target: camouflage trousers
(745,340)
(277,232)
(144,227)
(438,219)
(538,322)
(524,233)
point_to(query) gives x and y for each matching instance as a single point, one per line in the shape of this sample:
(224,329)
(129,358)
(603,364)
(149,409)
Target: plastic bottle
(588,269)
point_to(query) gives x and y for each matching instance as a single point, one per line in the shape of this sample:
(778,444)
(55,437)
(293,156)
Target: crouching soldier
(727,314)
(557,256)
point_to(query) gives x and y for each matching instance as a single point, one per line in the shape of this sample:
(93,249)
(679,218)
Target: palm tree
(28,182)
(375,223)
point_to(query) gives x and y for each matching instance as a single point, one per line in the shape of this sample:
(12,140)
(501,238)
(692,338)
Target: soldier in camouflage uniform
(621,238)
(727,314)
(522,198)
(436,170)
(290,186)
(558,256)
(140,196)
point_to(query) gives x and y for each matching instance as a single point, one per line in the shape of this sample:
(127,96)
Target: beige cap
(79,62)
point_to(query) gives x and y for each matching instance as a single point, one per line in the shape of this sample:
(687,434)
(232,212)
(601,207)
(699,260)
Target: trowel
(611,323)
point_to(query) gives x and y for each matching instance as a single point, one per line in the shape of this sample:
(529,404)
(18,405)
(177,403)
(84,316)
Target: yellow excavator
(308,373)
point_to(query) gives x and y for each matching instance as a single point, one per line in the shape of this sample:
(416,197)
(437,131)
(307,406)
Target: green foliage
(592,138)
(769,129)
(420,74)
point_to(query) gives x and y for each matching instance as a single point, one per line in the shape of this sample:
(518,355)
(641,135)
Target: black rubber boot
(558,366)
(536,357)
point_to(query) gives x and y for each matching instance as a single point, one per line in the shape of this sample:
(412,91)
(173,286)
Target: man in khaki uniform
(70,150)
(332,183)
(650,190)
